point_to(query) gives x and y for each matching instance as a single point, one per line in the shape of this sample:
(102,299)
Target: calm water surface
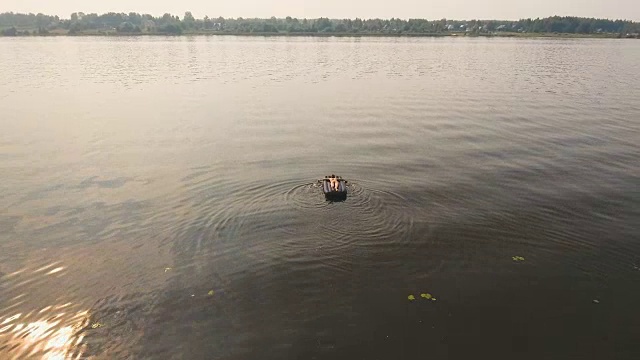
(158,198)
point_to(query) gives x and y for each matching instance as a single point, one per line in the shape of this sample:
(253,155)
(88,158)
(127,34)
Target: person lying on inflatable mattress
(335,183)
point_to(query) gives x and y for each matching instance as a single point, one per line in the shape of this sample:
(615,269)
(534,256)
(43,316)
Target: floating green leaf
(426,296)
(433,299)
(210,293)
(517,258)
(411,297)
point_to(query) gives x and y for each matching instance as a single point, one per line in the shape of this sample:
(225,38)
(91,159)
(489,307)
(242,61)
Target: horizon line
(68,17)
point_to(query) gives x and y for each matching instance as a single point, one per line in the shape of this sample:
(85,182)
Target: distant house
(148,25)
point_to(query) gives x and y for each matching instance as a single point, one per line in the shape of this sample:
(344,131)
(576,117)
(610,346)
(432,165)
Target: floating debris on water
(210,293)
(167,269)
(517,258)
(428,296)
(96,325)
(596,301)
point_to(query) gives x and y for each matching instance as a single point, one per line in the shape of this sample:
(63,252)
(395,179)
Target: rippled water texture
(159,198)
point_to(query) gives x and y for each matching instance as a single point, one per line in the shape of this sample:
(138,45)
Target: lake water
(159,198)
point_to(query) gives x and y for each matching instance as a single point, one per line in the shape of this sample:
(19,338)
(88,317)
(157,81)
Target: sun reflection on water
(57,336)
(34,325)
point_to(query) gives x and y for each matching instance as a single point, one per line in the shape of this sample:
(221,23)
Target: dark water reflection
(159,198)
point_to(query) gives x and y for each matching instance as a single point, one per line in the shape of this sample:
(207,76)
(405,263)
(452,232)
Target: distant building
(148,25)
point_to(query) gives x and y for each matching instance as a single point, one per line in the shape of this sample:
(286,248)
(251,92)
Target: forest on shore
(14,24)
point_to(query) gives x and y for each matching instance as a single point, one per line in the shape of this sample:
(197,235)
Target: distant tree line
(39,24)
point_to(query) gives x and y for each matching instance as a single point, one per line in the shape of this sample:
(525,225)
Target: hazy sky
(430,9)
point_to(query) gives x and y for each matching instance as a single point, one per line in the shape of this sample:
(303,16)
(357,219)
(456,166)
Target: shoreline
(330,34)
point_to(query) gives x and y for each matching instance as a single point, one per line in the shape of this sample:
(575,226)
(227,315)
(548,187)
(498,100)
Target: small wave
(307,196)
(366,217)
